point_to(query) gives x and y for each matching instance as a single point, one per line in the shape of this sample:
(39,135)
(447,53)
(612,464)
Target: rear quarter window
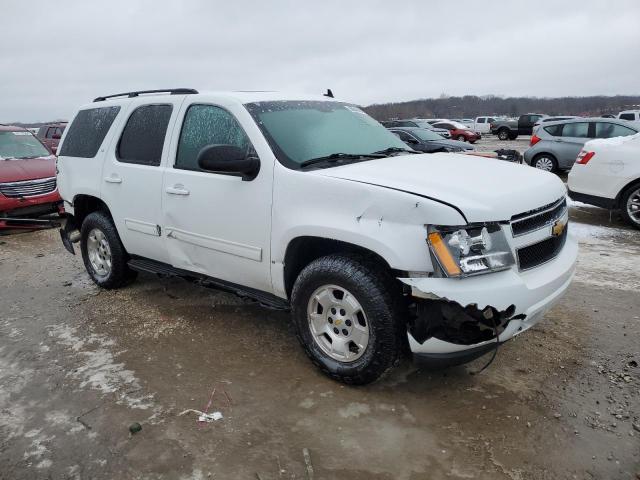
(87,131)
(555,130)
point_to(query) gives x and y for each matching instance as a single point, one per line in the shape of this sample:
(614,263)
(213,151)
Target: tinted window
(555,130)
(608,130)
(207,125)
(627,116)
(143,135)
(481,120)
(87,131)
(447,126)
(579,130)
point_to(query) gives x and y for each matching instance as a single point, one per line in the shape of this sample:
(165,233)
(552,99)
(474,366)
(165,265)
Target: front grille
(28,188)
(541,252)
(537,219)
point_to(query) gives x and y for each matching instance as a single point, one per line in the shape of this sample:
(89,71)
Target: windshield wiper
(390,150)
(335,157)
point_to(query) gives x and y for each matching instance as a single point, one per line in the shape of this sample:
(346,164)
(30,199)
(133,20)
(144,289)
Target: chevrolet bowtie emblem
(558,228)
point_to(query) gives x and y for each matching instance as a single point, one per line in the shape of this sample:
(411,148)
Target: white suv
(307,203)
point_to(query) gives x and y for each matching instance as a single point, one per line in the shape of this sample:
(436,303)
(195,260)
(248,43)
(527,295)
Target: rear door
(568,145)
(132,174)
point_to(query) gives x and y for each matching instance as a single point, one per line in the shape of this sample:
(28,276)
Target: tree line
(470,106)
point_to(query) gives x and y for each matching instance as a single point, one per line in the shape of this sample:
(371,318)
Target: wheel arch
(303,250)
(84,204)
(624,189)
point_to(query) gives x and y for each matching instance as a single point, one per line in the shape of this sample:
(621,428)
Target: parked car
(555,146)
(607,174)
(51,134)
(416,123)
(608,115)
(307,203)
(459,132)
(467,122)
(427,141)
(510,129)
(630,115)
(551,119)
(482,124)
(27,175)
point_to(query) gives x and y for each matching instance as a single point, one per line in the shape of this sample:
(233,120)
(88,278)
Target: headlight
(469,250)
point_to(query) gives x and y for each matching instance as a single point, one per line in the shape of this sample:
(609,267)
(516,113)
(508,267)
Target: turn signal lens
(584,157)
(444,255)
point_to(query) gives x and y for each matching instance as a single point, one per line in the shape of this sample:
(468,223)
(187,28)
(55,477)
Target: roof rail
(172,91)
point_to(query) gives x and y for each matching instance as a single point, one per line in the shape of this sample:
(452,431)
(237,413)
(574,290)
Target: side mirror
(229,160)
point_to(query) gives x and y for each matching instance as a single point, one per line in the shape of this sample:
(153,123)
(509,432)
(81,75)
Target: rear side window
(87,132)
(142,139)
(578,130)
(481,120)
(207,125)
(609,130)
(627,116)
(555,130)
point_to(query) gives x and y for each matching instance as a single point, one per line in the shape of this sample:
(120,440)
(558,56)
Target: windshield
(299,131)
(21,145)
(427,135)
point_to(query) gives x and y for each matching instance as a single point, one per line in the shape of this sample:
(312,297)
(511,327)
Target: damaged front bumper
(508,302)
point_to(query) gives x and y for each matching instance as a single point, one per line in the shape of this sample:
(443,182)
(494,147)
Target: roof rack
(172,91)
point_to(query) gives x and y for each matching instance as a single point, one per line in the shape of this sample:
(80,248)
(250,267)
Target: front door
(216,224)
(132,176)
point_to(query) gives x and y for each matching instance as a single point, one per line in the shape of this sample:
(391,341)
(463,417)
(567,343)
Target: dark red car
(50,134)
(27,176)
(459,131)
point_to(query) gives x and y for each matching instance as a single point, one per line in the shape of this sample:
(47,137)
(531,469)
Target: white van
(307,203)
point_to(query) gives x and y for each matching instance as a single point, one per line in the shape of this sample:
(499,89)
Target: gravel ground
(79,366)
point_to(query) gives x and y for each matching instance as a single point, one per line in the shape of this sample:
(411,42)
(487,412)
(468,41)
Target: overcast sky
(57,55)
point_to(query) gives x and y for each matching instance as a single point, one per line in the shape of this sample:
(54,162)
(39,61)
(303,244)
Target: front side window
(298,131)
(207,125)
(609,130)
(87,132)
(143,136)
(576,130)
(21,144)
(627,116)
(481,120)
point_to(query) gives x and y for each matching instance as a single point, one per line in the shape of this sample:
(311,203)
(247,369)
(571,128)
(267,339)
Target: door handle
(177,190)
(113,179)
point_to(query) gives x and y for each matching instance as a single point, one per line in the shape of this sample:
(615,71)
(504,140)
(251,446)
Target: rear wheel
(546,162)
(103,254)
(461,138)
(346,315)
(630,206)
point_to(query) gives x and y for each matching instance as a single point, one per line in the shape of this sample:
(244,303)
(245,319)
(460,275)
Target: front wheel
(503,134)
(630,206)
(346,315)
(461,138)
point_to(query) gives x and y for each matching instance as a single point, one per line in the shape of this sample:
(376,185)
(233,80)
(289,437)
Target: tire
(379,297)
(504,134)
(461,138)
(630,198)
(546,162)
(99,241)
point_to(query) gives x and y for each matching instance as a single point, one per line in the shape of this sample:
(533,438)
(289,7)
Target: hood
(27,169)
(483,189)
(450,143)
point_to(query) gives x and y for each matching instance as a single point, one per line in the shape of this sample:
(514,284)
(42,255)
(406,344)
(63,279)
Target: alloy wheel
(633,206)
(544,163)
(338,323)
(99,252)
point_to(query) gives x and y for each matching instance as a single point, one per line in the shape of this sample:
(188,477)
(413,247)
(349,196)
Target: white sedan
(607,174)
